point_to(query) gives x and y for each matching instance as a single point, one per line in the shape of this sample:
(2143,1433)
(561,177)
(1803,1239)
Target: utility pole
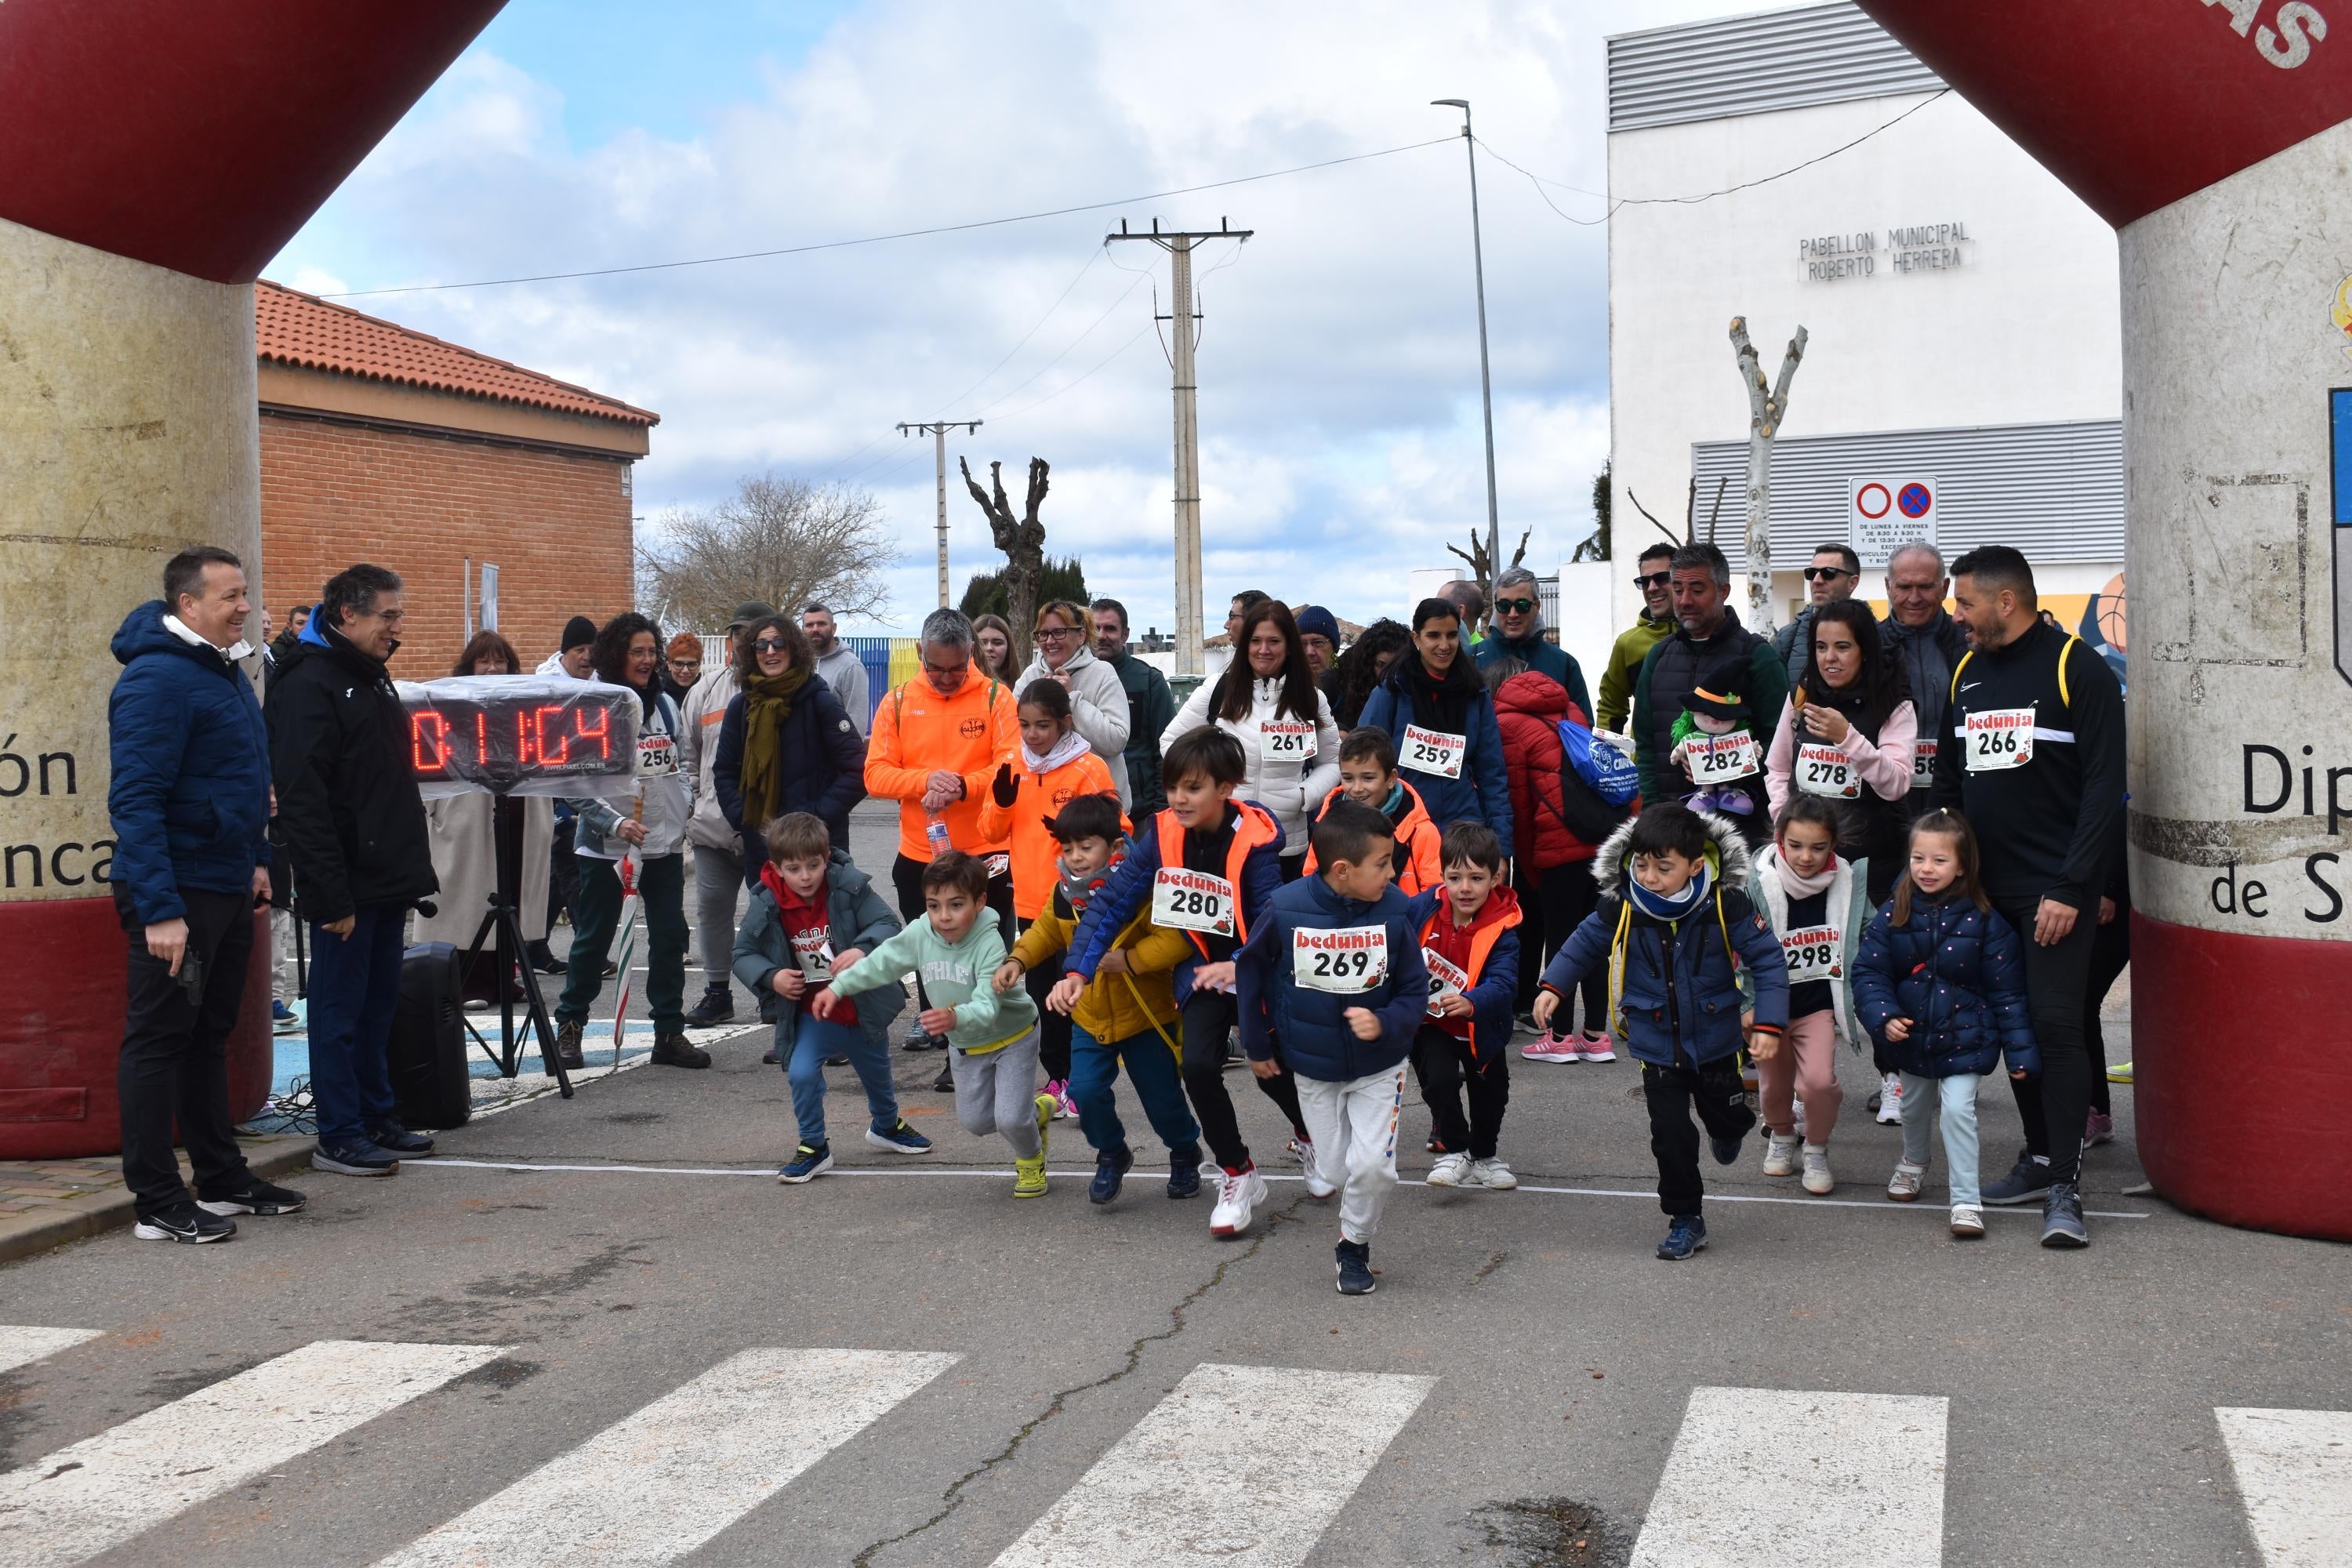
(1179,246)
(939,430)
(1485,378)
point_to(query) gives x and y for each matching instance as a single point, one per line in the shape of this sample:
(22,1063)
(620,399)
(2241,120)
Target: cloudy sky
(1341,438)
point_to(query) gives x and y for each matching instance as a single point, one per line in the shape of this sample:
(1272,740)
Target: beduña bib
(1346,961)
(1996,740)
(1286,739)
(1446,978)
(1923,765)
(657,756)
(1192,900)
(1825,770)
(1435,751)
(1720,758)
(1813,954)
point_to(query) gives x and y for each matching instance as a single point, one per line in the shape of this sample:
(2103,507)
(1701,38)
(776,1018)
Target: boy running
(1335,970)
(1468,928)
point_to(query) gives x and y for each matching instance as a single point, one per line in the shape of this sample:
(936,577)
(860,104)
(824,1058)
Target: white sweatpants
(1356,1122)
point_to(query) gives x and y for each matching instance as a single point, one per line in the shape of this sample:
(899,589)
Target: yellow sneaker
(1048,1107)
(1029,1177)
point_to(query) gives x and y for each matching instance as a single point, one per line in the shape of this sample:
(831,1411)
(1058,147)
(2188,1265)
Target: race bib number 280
(1192,900)
(1997,739)
(1347,961)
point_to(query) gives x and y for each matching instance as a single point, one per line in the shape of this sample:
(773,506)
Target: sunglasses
(771,645)
(1655,580)
(1824,573)
(1514,606)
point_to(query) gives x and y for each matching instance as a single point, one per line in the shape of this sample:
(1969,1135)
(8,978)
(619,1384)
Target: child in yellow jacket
(1128,1013)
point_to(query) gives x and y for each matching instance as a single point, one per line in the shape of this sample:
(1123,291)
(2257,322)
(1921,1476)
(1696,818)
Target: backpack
(1597,784)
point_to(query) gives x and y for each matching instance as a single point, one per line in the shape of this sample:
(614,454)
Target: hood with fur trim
(1726,847)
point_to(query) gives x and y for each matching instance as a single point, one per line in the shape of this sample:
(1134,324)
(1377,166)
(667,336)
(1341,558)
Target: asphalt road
(1834,1382)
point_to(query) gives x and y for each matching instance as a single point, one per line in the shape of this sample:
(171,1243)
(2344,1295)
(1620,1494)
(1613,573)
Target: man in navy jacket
(189,800)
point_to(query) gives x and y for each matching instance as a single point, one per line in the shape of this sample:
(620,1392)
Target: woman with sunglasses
(786,743)
(1098,700)
(1442,720)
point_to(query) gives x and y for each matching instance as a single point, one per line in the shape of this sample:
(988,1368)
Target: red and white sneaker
(1592,1047)
(1550,1046)
(1238,1195)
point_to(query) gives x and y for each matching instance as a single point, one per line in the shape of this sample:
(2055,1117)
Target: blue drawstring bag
(1606,770)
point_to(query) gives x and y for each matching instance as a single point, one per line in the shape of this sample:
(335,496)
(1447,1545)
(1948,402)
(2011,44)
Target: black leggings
(1206,1016)
(2110,952)
(1713,1092)
(1444,1067)
(2057,979)
(1550,909)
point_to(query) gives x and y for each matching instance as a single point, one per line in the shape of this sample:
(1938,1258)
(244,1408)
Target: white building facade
(1962,306)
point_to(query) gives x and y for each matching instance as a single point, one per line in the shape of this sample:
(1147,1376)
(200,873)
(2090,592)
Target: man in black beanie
(573,656)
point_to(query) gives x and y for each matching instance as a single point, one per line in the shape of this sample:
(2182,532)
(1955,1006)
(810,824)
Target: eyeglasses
(771,645)
(1655,580)
(1824,573)
(1514,606)
(1055,633)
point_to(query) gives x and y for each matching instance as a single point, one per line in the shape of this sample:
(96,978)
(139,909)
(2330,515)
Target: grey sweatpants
(718,884)
(998,1093)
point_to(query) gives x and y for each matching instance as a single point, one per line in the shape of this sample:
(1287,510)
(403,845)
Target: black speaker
(427,1053)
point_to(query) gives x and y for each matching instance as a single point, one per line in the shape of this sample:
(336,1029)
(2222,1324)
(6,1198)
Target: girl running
(1817,906)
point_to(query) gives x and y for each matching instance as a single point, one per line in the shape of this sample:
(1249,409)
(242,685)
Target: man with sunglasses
(1835,572)
(1653,575)
(1518,633)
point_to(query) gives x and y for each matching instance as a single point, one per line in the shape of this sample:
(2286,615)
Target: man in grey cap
(718,847)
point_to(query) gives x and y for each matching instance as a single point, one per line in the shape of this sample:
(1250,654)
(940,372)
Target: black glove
(1005,791)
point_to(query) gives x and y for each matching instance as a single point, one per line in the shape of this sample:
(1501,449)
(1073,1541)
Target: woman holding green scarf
(786,744)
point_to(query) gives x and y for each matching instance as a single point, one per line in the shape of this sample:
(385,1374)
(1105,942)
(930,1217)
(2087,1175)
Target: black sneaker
(716,1006)
(917,1038)
(945,1082)
(770,1005)
(354,1160)
(392,1138)
(1726,1150)
(2062,1216)
(254,1197)
(672,1050)
(184,1221)
(1354,1260)
(1686,1235)
(567,1048)
(836,1060)
(1110,1169)
(540,957)
(2027,1181)
(768,1059)
(1184,1173)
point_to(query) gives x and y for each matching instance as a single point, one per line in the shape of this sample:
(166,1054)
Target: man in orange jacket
(936,743)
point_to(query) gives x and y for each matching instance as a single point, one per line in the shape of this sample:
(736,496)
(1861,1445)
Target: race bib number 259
(1438,751)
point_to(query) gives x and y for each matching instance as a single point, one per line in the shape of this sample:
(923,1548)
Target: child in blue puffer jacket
(1941,981)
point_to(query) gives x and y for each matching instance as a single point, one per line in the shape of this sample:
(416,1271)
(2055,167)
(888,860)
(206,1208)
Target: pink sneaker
(1593,1047)
(1548,1046)
(1064,1106)
(2099,1129)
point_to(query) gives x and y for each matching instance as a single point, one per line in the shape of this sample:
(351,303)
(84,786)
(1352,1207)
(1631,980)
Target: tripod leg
(535,1003)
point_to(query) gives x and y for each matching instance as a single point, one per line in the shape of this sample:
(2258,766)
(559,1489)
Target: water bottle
(935,828)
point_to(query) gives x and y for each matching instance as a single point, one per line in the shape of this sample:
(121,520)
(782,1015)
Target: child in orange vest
(1368,772)
(1055,767)
(1469,938)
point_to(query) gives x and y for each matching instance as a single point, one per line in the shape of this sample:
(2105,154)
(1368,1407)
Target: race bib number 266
(1997,739)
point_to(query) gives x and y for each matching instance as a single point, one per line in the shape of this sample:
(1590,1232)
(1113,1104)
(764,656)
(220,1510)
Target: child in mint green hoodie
(956,947)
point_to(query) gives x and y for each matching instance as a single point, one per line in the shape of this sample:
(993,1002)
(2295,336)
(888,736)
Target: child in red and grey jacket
(1468,926)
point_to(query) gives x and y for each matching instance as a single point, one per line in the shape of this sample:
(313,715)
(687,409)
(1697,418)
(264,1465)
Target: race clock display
(521,734)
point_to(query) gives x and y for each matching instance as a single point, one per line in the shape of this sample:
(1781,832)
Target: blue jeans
(354,987)
(814,1039)
(1954,1100)
(1152,1068)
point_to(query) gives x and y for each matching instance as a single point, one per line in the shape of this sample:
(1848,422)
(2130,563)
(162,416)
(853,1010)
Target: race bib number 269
(1347,961)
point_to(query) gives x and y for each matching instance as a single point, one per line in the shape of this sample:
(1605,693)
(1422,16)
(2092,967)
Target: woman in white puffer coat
(1268,701)
(1097,701)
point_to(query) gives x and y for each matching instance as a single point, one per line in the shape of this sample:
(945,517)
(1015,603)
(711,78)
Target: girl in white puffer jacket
(1268,699)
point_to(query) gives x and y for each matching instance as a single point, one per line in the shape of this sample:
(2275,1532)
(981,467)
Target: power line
(1073,344)
(1539,182)
(880,238)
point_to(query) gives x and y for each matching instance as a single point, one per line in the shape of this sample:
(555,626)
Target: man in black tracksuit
(353,828)
(2032,754)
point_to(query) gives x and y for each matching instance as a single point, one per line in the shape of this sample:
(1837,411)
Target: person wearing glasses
(1653,575)
(1835,573)
(1097,701)
(1520,634)
(354,831)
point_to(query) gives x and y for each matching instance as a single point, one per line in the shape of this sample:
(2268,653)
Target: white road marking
(768,1173)
(2295,1474)
(658,1483)
(19,1343)
(97,1493)
(1830,1480)
(1170,1494)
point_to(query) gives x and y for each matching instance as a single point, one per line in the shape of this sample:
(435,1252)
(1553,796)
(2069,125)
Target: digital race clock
(521,734)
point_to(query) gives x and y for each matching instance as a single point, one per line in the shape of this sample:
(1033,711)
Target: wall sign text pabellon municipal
(1913,247)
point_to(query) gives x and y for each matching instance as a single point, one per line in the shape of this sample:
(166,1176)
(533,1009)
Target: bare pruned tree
(1482,566)
(1023,540)
(782,542)
(1767,408)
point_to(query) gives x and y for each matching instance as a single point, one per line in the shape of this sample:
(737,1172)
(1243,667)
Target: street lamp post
(1485,376)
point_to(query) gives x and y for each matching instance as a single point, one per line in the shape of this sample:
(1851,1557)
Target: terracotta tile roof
(303,329)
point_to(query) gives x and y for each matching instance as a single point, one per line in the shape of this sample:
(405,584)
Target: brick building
(381,444)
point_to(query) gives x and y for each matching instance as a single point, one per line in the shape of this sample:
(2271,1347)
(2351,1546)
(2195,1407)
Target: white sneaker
(1781,1155)
(1450,1170)
(1903,1186)
(1817,1180)
(1237,1201)
(1967,1220)
(1796,1121)
(1890,1102)
(1318,1185)
(1492,1174)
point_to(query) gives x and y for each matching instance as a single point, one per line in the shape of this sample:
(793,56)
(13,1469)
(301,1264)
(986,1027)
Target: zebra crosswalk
(1849,1479)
